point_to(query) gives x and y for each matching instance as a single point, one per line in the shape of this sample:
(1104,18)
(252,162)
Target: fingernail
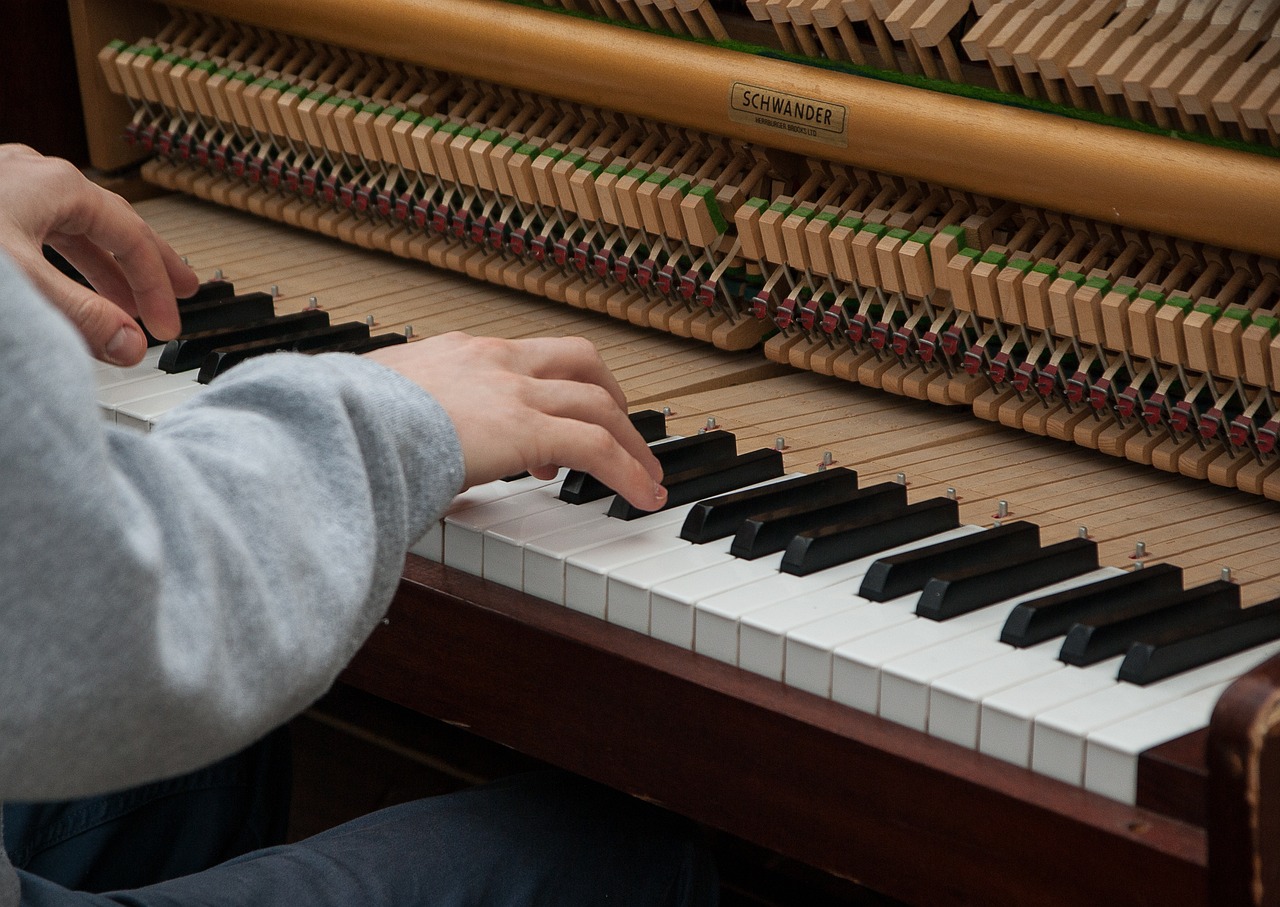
(119,347)
(659,492)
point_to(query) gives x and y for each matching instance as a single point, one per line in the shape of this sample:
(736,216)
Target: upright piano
(1014,263)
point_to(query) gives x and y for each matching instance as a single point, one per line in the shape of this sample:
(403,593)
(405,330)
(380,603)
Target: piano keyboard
(952,679)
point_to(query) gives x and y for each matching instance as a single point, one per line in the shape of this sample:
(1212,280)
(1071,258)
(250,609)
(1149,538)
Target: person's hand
(135,273)
(532,405)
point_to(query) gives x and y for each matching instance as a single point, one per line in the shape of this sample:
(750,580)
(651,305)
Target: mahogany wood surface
(1244,767)
(915,818)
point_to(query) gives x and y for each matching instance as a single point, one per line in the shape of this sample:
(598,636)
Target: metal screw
(217,274)
(1082,532)
(1226,574)
(312,303)
(1139,551)
(1138,565)
(951,493)
(368,319)
(901,478)
(666,410)
(779,443)
(1002,509)
(408,332)
(275,290)
(711,422)
(827,458)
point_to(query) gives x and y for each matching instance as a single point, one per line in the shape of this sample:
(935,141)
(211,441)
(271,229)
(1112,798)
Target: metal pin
(711,422)
(1226,574)
(822,467)
(312,303)
(1002,509)
(186,261)
(827,458)
(951,493)
(217,273)
(1139,551)
(368,319)
(408,332)
(779,443)
(1138,565)
(666,410)
(275,291)
(1082,532)
(901,478)
(995,524)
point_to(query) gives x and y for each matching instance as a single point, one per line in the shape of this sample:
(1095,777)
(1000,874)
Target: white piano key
(587,575)
(1059,739)
(671,603)
(763,635)
(807,650)
(629,586)
(1111,757)
(1007,720)
(905,683)
(716,618)
(464,529)
(431,545)
(128,393)
(545,557)
(955,700)
(143,415)
(504,544)
(856,670)
(105,374)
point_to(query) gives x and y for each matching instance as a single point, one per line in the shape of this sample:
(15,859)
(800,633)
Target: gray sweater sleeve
(166,599)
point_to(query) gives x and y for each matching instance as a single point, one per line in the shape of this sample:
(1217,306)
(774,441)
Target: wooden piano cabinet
(1244,770)
(916,818)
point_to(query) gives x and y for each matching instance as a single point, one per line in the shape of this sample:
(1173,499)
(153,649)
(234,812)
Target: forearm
(173,596)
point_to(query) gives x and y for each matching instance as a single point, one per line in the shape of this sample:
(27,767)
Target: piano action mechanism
(1054,263)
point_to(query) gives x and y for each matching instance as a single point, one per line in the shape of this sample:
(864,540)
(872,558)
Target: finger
(114,226)
(98,267)
(112,335)
(593,449)
(590,403)
(569,358)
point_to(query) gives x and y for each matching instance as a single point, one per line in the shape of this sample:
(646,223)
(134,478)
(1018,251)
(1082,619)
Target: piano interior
(1013,255)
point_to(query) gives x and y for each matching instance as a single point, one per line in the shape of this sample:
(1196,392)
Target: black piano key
(650,423)
(1171,652)
(765,533)
(899,574)
(651,429)
(188,352)
(707,481)
(1043,618)
(959,592)
(55,258)
(315,340)
(1099,639)
(208,291)
(366,345)
(226,312)
(840,543)
(720,516)
(675,456)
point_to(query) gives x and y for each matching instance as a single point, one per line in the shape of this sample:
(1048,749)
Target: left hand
(135,272)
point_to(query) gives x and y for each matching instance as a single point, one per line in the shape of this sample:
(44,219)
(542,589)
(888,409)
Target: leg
(158,831)
(543,839)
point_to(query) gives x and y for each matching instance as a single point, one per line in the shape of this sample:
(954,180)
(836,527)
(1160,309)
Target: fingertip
(126,347)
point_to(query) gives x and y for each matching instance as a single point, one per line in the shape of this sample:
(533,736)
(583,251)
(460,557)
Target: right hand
(533,405)
(135,272)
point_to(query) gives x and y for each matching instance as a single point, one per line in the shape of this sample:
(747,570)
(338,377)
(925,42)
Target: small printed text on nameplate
(811,118)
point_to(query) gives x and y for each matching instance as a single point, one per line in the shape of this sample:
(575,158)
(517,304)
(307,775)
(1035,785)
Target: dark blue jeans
(206,839)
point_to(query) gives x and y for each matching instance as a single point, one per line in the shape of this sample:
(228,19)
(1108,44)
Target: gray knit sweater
(167,599)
